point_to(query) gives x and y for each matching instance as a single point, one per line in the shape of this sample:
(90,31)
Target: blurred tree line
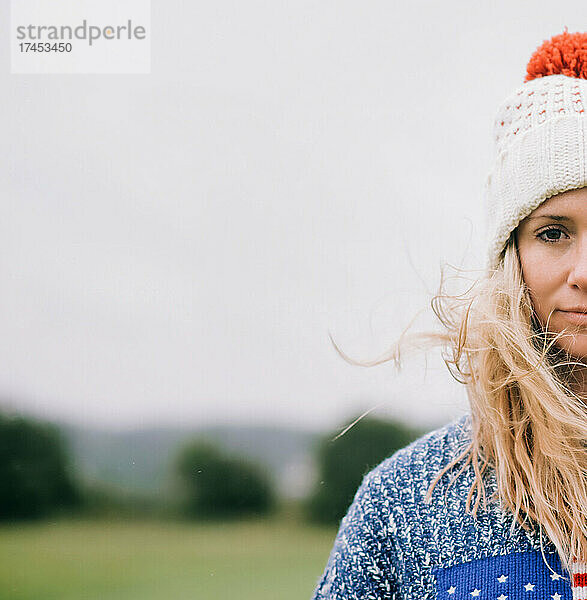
(34,470)
(38,481)
(217,485)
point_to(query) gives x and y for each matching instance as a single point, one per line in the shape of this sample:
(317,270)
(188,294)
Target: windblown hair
(527,422)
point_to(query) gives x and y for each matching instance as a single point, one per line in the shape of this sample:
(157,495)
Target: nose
(577,277)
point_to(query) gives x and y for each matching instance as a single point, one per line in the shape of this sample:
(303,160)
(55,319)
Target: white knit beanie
(540,138)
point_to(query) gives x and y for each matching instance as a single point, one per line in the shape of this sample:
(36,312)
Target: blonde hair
(527,422)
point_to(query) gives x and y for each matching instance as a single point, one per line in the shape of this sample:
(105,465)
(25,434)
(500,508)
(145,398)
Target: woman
(494,505)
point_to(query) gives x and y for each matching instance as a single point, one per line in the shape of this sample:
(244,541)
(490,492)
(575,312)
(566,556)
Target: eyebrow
(553,217)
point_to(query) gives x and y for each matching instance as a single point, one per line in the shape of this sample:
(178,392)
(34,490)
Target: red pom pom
(564,54)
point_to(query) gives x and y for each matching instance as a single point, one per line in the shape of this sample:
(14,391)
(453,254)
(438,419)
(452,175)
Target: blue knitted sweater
(394,545)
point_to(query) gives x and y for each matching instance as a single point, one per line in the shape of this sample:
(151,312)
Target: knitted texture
(579,572)
(393,545)
(540,137)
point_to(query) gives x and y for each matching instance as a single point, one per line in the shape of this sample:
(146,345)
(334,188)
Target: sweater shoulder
(419,463)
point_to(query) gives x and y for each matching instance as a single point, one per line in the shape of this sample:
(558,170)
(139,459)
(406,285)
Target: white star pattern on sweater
(511,586)
(502,579)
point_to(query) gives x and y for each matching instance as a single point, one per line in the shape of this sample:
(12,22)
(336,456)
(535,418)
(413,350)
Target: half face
(552,244)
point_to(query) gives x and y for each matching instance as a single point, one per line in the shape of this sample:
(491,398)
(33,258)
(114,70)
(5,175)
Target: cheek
(542,279)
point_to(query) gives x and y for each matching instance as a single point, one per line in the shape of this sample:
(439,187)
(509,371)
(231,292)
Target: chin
(575,345)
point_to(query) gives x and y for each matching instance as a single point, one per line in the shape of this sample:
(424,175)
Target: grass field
(154,560)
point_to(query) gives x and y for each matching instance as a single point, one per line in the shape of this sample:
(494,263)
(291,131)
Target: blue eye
(552,234)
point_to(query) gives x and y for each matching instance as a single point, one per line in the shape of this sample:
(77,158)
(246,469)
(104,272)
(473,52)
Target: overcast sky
(175,247)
